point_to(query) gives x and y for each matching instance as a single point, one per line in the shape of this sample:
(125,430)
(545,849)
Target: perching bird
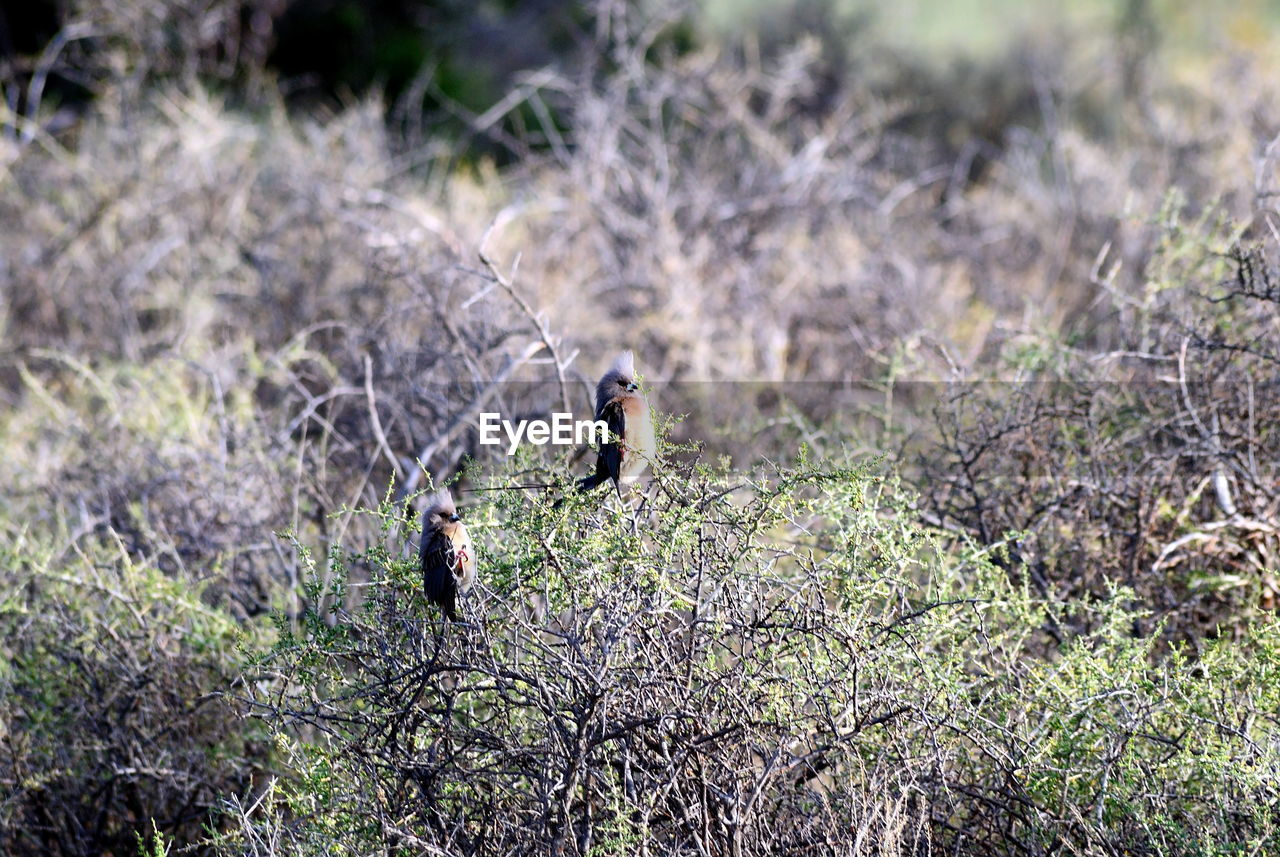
(448,559)
(620,405)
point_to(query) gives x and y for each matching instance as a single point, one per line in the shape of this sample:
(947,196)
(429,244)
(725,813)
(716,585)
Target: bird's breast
(638,439)
(464,558)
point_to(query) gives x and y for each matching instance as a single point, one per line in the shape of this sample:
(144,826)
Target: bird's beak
(455,517)
(632,387)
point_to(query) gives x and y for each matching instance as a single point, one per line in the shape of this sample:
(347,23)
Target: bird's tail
(585,484)
(590,483)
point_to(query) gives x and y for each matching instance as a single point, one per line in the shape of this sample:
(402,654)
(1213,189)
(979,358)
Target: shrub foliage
(779,664)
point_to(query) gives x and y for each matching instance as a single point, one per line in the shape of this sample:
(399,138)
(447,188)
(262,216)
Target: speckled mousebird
(631,444)
(448,557)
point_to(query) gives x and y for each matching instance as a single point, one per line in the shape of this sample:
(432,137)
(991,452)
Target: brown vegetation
(1042,284)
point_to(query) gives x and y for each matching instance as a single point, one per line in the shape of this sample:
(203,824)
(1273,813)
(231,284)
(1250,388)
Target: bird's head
(440,510)
(621,377)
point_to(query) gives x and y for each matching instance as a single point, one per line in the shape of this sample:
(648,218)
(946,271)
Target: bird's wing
(609,461)
(438,560)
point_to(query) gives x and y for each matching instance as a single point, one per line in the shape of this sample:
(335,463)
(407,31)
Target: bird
(448,558)
(626,452)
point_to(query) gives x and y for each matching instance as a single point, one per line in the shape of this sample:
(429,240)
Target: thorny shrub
(1153,464)
(220,324)
(111,717)
(773,664)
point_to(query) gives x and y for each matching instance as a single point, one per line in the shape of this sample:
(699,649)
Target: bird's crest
(441,501)
(624,364)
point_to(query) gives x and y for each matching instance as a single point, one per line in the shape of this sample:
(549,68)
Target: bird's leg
(629,504)
(441,626)
(643,507)
(461,619)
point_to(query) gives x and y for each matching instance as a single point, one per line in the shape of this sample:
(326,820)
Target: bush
(224,322)
(1152,464)
(131,556)
(773,664)
(678,680)
(113,724)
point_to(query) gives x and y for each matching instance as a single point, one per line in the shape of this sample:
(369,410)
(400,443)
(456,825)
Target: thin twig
(377,423)
(464,417)
(535,319)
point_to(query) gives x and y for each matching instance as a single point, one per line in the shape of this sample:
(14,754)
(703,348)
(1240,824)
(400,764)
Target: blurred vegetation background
(966,318)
